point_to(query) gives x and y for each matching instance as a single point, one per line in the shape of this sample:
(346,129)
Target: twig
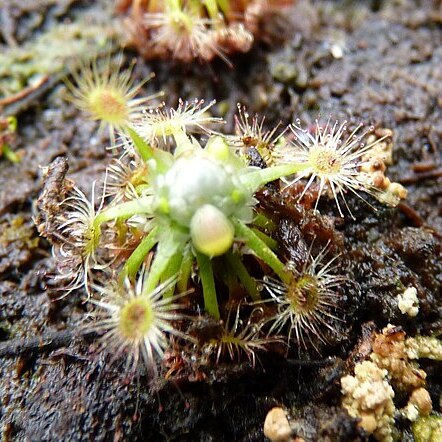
(312,363)
(15,104)
(424,166)
(16,347)
(7,28)
(411,214)
(412,179)
(24,92)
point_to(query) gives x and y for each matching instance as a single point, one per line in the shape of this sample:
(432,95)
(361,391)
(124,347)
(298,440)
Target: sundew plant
(179,231)
(186,30)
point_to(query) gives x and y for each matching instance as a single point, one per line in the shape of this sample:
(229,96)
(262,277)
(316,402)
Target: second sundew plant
(179,217)
(186,30)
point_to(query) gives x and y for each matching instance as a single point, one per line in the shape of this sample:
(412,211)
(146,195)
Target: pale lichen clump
(408,302)
(381,140)
(369,397)
(277,426)
(369,394)
(392,351)
(419,404)
(375,163)
(424,347)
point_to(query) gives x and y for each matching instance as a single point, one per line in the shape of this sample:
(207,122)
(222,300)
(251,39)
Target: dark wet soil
(53,385)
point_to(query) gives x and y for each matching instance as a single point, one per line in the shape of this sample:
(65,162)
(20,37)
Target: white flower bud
(211,231)
(192,182)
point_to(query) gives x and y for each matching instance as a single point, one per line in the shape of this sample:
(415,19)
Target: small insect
(251,137)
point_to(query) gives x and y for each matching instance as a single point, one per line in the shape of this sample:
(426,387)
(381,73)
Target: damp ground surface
(376,62)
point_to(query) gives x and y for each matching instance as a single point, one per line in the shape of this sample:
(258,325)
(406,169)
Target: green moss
(8,127)
(18,232)
(428,429)
(49,53)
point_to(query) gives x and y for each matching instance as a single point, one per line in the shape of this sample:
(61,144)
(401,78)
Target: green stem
(135,260)
(139,206)
(224,6)
(255,180)
(168,247)
(261,249)
(264,222)
(241,271)
(212,9)
(208,282)
(230,278)
(273,244)
(182,141)
(186,269)
(9,154)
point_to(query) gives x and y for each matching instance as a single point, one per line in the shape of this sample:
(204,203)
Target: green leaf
(257,178)
(169,246)
(140,206)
